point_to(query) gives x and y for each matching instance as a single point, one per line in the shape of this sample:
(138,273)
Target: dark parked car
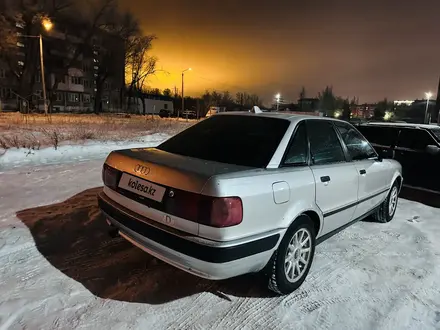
(163,113)
(415,146)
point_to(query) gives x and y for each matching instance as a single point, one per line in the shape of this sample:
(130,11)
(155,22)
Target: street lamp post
(277,98)
(43,79)
(428,97)
(47,24)
(183,95)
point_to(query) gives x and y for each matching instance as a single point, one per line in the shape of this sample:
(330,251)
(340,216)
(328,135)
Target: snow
(67,153)
(60,270)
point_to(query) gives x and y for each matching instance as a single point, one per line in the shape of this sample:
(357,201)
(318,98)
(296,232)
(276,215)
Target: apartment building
(73,65)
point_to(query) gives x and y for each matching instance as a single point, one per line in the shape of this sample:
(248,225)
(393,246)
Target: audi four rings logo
(141,169)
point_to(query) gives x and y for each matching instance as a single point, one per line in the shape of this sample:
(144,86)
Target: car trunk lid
(170,170)
(166,187)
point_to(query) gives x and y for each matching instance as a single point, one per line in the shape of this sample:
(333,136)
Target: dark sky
(366,48)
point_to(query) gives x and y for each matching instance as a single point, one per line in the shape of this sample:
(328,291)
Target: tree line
(214,98)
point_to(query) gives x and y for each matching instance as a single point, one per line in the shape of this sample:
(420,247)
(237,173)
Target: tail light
(226,212)
(210,211)
(110,176)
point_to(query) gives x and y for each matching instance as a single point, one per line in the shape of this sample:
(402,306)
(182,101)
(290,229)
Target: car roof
(407,125)
(273,114)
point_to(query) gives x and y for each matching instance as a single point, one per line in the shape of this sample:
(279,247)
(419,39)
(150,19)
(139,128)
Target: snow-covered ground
(59,269)
(65,153)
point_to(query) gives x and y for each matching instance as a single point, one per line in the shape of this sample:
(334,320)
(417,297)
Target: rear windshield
(231,139)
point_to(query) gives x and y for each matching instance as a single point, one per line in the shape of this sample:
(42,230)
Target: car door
(417,164)
(336,180)
(382,138)
(374,175)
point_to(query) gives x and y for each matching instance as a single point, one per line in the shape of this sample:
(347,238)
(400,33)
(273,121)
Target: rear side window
(297,152)
(414,139)
(231,139)
(325,147)
(384,136)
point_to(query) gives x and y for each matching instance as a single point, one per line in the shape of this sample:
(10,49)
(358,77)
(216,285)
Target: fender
(396,169)
(300,207)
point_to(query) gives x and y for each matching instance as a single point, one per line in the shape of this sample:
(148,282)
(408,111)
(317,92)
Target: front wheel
(294,256)
(387,209)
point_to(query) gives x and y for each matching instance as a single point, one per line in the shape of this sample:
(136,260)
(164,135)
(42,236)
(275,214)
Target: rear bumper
(201,257)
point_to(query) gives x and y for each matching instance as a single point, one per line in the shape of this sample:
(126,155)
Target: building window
(73,97)
(59,96)
(86,98)
(75,80)
(165,106)
(86,83)
(6,93)
(2,73)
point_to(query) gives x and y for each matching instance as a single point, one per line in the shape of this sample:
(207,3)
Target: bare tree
(119,29)
(97,17)
(140,64)
(302,93)
(167,92)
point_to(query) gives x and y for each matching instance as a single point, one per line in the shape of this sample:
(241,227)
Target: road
(60,270)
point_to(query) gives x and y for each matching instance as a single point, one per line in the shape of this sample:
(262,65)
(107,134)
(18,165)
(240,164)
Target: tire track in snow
(322,284)
(254,314)
(188,317)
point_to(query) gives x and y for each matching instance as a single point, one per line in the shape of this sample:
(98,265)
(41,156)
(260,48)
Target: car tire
(387,209)
(286,274)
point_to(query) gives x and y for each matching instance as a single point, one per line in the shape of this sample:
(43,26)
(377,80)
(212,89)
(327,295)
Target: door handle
(362,172)
(325,178)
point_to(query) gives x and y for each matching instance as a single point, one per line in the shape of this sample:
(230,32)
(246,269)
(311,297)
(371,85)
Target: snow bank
(92,150)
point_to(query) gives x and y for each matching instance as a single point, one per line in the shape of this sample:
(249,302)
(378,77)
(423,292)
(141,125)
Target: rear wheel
(387,209)
(294,256)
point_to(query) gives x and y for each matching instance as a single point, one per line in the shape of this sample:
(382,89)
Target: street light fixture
(47,25)
(277,98)
(428,97)
(183,96)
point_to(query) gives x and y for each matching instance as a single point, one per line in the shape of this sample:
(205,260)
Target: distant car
(190,114)
(415,146)
(163,113)
(240,192)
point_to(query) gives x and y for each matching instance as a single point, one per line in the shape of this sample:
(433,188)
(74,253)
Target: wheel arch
(397,177)
(314,214)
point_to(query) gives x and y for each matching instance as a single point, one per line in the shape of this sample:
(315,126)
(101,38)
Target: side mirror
(387,153)
(432,150)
